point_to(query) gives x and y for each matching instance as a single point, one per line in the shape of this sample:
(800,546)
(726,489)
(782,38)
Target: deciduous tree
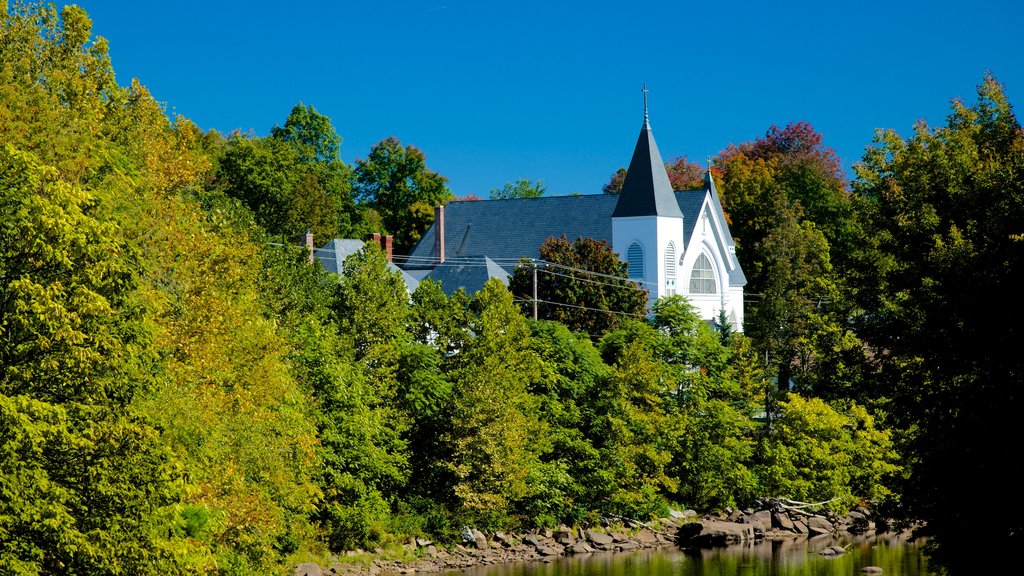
(521,188)
(944,265)
(581,284)
(395,181)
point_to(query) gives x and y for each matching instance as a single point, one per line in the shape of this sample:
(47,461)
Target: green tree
(943,209)
(495,425)
(581,284)
(636,431)
(396,182)
(294,179)
(521,188)
(814,453)
(313,132)
(568,484)
(87,486)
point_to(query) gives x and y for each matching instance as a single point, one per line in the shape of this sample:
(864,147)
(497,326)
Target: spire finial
(709,163)
(646,123)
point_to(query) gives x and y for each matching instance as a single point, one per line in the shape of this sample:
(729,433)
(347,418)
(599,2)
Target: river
(894,554)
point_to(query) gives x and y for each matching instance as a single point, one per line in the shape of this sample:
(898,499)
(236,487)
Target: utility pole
(534,290)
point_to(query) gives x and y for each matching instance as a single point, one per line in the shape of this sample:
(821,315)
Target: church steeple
(646,190)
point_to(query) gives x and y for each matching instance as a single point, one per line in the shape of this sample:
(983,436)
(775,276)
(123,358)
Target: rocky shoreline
(686,529)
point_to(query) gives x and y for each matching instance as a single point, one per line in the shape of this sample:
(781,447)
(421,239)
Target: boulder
(762,518)
(714,533)
(819,525)
(479,540)
(563,536)
(599,539)
(832,551)
(782,521)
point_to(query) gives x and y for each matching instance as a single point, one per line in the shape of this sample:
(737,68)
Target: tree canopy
(521,188)
(395,181)
(943,209)
(581,284)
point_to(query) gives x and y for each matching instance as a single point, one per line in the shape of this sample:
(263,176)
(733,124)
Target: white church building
(674,241)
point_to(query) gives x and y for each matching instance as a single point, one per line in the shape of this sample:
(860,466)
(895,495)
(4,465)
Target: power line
(626,283)
(563,304)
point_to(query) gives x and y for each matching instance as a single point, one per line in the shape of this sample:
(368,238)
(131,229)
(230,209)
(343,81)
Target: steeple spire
(647,122)
(646,190)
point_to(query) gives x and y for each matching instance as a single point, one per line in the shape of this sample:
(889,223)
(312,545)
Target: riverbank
(685,528)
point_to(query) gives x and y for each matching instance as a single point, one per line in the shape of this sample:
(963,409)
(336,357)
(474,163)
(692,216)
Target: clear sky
(497,91)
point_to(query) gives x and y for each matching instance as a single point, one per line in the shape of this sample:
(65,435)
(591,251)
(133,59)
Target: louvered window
(635,258)
(702,278)
(670,269)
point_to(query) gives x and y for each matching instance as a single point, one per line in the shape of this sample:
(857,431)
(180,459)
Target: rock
(714,533)
(871,570)
(782,521)
(308,569)
(599,539)
(423,543)
(549,551)
(479,540)
(563,536)
(832,551)
(819,525)
(579,548)
(761,519)
(646,536)
(503,539)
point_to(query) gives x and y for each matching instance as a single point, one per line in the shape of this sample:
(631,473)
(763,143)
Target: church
(674,241)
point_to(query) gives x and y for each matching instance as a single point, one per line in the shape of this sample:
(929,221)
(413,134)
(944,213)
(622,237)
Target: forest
(182,392)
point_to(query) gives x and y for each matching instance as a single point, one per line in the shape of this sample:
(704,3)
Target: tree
(521,188)
(789,209)
(294,179)
(396,182)
(87,486)
(815,453)
(682,174)
(312,132)
(581,284)
(943,270)
(636,428)
(494,423)
(614,184)
(685,175)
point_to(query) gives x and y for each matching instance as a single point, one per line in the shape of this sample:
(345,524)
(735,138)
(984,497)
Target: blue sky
(494,92)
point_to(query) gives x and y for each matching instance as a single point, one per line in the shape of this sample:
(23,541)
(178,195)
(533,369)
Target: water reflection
(894,554)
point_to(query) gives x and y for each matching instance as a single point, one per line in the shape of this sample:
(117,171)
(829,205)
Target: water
(894,554)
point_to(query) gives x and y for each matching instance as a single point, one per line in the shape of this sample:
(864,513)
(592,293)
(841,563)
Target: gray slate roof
(469,273)
(507,230)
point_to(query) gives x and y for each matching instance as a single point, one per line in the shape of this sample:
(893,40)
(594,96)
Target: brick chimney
(439,233)
(309,244)
(387,247)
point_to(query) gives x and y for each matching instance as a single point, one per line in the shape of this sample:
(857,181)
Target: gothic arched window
(702,277)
